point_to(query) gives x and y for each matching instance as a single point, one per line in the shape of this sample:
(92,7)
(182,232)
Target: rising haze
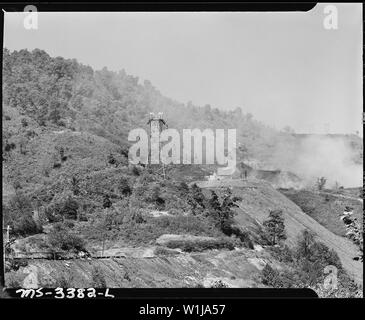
(284,68)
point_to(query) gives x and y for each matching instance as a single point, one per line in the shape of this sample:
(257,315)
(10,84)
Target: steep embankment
(55,153)
(259,198)
(237,268)
(326,207)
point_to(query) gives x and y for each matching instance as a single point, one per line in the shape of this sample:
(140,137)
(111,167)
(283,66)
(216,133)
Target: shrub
(15,264)
(305,266)
(304,244)
(162,251)
(106,202)
(222,212)
(137,217)
(196,198)
(69,224)
(180,224)
(63,282)
(321,182)
(124,187)
(153,195)
(274,227)
(276,279)
(98,279)
(136,171)
(310,251)
(111,159)
(69,208)
(64,206)
(269,276)
(243,236)
(61,239)
(141,233)
(283,254)
(26,226)
(11,282)
(18,214)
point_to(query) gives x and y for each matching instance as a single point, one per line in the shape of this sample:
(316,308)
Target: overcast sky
(284,68)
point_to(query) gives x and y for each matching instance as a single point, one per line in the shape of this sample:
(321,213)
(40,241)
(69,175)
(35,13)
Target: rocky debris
(182,270)
(156,213)
(47,228)
(168,239)
(148,253)
(130,252)
(353,231)
(258,248)
(189,243)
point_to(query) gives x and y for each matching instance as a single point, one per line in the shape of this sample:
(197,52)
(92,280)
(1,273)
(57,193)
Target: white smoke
(314,156)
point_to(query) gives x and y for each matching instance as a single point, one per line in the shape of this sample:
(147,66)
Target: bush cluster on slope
(305,267)
(62,239)
(18,215)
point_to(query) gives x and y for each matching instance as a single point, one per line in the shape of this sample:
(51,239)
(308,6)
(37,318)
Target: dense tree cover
(41,92)
(65,129)
(65,151)
(221,211)
(189,211)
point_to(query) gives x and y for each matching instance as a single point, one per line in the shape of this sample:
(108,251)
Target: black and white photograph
(187,149)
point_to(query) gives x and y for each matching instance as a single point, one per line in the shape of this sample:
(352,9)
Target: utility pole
(103,245)
(8,228)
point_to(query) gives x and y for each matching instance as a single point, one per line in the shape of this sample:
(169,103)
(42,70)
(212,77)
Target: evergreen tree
(75,186)
(196,199)
(214,206)
(305,243)
(124,187)
(274,227)
(270,277)
(226,213)
(106,202)
(222,213)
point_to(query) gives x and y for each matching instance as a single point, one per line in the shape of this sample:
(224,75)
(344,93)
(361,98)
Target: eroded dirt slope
(237,268)
(259,198)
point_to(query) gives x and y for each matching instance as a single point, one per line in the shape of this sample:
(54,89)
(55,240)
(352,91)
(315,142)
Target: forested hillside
(42,93)
(69,189)
(65,145)
(63,121)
